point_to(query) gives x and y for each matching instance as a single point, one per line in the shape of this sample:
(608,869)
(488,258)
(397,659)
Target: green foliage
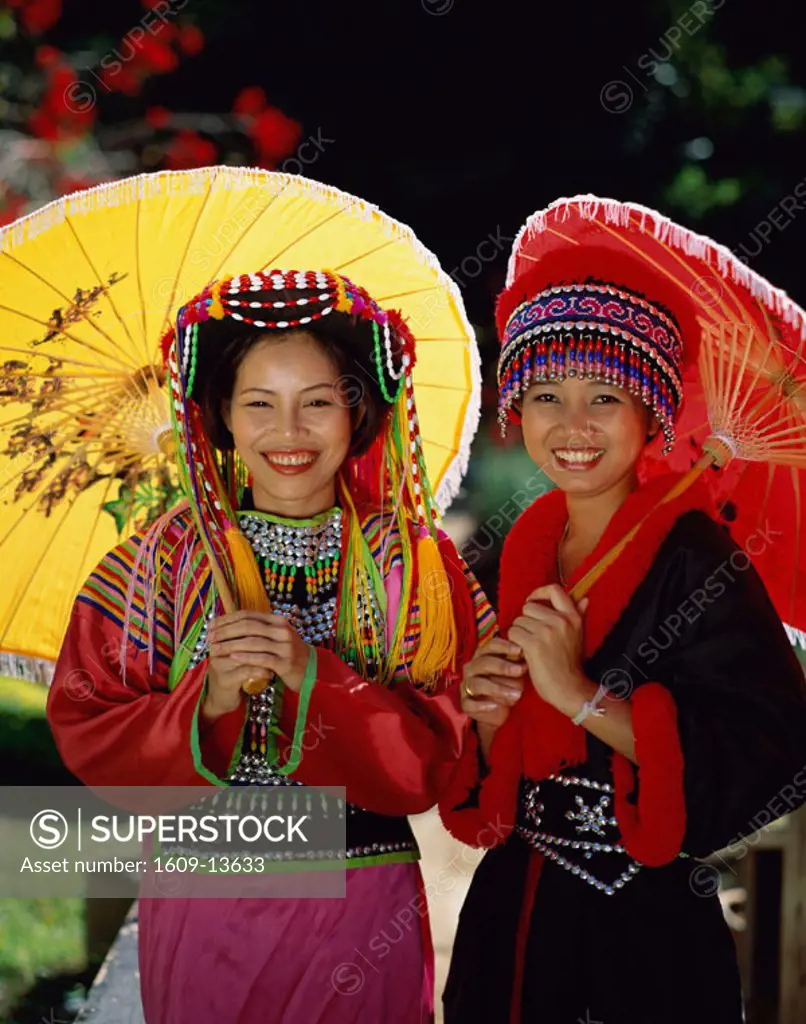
(789,109)
(40,937)
(142,504)
(28,752)
(8,27)
(692,190)
(719,85)
(709,82)
(22,699)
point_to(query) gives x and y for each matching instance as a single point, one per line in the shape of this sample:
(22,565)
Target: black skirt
(657,952)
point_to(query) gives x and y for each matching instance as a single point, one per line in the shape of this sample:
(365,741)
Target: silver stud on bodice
(289,544)
(591,818)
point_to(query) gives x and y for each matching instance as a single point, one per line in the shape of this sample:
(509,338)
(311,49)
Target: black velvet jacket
(682,626)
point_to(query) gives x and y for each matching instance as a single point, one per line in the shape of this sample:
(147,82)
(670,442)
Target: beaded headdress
(389,477)
(593,316)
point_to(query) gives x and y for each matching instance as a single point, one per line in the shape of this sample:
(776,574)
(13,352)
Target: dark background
(464,122)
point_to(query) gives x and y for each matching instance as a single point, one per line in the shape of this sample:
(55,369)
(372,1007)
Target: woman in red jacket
(362,640)
(617,738)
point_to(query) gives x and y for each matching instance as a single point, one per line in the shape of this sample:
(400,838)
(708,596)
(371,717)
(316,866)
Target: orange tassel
(342,302)
(438,636)
(250,591)
(216,309)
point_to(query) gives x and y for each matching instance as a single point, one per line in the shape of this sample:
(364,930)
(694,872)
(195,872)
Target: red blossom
(121,78)
(166,30)
(38,16)
(44,125)
(47,56)
(13,206)
(274,134)
(190,150)
(156,55)
(67,110)
(250,101)
(159,28)
(60,80)
(191,39)
(78,122)
(64,186)
(158,117)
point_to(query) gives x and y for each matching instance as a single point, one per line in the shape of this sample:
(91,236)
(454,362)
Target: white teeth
(570,455)
(291,460)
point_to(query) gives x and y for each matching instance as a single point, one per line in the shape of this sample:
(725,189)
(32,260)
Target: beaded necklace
(308,599)
(299,561)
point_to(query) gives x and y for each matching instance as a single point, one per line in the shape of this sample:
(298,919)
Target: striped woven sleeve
(486,624)
(108,587)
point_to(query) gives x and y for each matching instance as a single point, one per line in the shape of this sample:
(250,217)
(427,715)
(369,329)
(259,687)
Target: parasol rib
(62,359)
(139,275)
(798,513)
(646,258)
(230,255)
(65,298)
(370,252)
(66,334)
(406,295)
(78,580)
(306,234)
(54,533)
(107,295)
(169,306)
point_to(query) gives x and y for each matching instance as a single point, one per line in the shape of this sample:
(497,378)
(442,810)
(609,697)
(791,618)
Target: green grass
(28,753)
(39,937)
(18,697)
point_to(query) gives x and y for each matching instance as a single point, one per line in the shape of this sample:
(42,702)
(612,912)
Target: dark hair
(223,345)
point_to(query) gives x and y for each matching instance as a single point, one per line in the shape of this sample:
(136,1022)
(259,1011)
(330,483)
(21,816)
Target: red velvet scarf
(537,739)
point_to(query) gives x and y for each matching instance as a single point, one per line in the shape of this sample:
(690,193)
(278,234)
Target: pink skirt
(364,958)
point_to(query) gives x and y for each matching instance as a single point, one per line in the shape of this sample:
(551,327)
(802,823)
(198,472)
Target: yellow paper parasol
(89,285)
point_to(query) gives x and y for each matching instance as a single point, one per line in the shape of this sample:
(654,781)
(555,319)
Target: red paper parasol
(745,393)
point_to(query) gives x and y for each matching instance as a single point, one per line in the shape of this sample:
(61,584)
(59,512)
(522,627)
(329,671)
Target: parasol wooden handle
(715,453)
(258,682)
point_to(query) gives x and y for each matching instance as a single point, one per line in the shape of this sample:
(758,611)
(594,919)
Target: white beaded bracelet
(591,707)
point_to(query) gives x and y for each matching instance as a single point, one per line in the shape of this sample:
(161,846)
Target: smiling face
(586,436)
(291,422)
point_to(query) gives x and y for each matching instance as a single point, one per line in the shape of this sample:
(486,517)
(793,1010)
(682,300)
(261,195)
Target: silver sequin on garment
(590,815)
(293,545)
(299,546)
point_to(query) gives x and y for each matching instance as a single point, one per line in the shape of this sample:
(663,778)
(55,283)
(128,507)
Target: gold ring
(468,691)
